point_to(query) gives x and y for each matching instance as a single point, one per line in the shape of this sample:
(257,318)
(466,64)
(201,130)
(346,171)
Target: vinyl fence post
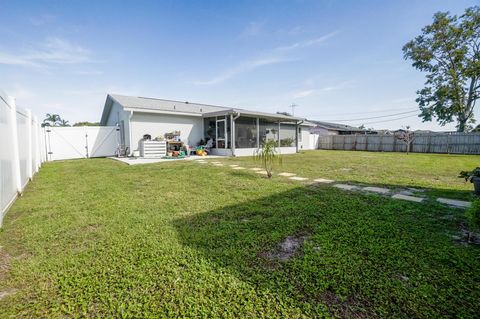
(15,155)
(29,145)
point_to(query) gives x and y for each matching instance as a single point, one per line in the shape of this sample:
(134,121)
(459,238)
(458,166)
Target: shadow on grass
(363,255)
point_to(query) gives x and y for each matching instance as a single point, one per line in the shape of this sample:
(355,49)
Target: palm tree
(51,119)
(62,122)
(268,155)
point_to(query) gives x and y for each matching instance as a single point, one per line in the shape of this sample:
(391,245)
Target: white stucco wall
(116,115)
(190,127)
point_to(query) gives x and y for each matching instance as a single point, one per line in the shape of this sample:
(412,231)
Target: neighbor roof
(337,127)
(146,103)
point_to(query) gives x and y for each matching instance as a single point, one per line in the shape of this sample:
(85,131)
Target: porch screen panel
(287,135)
(268,130)
(246,132)
(209,126)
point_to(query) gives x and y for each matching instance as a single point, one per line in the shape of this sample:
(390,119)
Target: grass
(436,173)
(97,238)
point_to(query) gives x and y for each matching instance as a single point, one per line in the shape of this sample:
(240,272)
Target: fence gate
(80,142)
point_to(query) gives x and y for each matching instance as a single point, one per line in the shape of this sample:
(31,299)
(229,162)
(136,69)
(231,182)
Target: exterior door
(221,137)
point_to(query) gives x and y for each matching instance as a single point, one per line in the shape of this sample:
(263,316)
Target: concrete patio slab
(256,169)
(261,172)
(379,190)
(238,167)
(323,180)
(298,178)
(142,160)
(454,202)
(287,174)
(408,198)
(346,187)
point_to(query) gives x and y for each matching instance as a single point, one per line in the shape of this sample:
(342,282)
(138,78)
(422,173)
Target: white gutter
(162,112)
(130,132)
(296,132)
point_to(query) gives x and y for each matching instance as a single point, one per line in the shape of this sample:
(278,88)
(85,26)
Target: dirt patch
(286,249)
(466,237)
(6,293)
(349,308)
(4,263)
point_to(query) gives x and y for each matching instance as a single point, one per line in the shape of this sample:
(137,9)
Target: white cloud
(308,43)
(275,56)
(52,51)
(242,68)
(302,93)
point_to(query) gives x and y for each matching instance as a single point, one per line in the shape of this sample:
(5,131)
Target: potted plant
(472,177)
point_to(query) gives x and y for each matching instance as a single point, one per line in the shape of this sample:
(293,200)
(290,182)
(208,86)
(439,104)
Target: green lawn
(437,173)
(98,238)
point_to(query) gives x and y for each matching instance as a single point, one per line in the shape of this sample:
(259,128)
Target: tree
(86,123)
(51,120)
(268,155)
(54,120)
(406,136)
(448,50)
(63,122)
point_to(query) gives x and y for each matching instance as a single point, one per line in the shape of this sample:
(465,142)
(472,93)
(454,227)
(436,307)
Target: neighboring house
(326,128)
(137,116)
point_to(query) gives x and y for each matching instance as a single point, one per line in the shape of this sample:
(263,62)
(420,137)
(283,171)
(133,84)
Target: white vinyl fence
(81,142)
(22,150)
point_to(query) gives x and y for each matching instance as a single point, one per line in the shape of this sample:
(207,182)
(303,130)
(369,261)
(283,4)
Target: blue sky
(336,60)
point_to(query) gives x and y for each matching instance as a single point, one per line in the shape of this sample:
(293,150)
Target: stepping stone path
(379,190)
(323,180)
(286,174)
(402,195)
(297,178)
(454,202)
(408,198)
(346,187)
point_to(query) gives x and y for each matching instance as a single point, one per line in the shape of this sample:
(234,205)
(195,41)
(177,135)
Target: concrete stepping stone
(218,164)
(408,198)
(215,162)
(298,178)
(346,187)
(287,174)
(238,167)
(379,190)
(233,165)
(454,202)
(256,169)
(323,180)
(261,172)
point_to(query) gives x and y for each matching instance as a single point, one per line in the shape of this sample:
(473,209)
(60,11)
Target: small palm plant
(268,155)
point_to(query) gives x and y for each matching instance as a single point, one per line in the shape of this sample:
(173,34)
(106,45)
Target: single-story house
(326,128)
(234,131)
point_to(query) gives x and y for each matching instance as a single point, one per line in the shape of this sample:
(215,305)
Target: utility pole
(293,106)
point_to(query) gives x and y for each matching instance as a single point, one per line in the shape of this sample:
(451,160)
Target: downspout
(232,128)
(296,132)
(130,132)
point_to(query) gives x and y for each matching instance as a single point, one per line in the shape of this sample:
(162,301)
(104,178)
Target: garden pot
(476,185)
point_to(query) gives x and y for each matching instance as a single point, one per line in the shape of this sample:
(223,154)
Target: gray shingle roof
(146,103)
(336,126)
(138,102)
